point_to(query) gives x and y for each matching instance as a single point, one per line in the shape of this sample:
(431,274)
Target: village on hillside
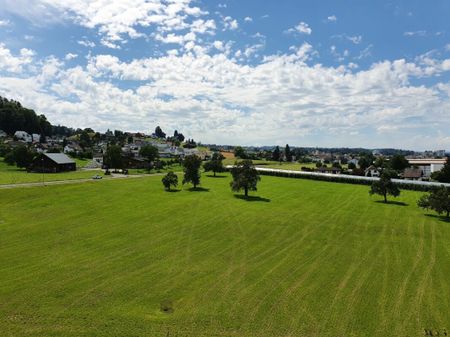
(91,145)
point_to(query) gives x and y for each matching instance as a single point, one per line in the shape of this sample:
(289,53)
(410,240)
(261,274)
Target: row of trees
(245,176)
(14,117)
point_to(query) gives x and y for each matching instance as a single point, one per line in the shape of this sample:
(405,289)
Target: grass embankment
(304,258)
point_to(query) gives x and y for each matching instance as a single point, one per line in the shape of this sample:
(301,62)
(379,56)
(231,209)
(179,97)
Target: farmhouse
(53,163)
(428,166)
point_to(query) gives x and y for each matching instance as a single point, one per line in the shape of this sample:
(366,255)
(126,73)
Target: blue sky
(307,73)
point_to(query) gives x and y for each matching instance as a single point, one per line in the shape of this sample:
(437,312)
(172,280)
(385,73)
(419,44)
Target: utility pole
(42,161)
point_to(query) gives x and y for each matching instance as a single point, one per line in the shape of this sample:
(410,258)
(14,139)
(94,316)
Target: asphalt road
(76,181)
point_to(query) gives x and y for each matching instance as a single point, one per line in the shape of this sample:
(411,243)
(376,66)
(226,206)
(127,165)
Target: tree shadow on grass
(251,198)
(392,202)
(173,191)
(198,189)
(212,176)
(442,218)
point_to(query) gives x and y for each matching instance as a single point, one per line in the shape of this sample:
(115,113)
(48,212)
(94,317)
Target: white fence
(347,177)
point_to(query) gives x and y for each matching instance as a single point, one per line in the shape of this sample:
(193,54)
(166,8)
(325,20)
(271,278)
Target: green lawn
(307,258)
(13,175)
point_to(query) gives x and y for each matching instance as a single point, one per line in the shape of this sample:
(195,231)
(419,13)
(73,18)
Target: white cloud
(332,18)
(86,43)
(71,56)
(302,28)
(5,23)
(229,23)
(355,39)
(248,19)
(420,33)
(217,99)
(218,45)
(115,20)
(15,63)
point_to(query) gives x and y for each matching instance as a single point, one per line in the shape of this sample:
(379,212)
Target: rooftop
(59,158)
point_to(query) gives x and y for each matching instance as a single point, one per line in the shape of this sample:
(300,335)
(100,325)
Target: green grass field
(303,258)
(13,175)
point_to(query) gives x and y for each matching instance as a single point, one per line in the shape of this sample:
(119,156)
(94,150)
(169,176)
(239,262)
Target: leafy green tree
(159,132)
(150,153)
(364,162)
(245,177)
(85,139)
(288,153)
(9,158)
(191,168)
(443,175)
(169,180)
(437,200)
(23,157)
(215,164)
(113,157)
(239,152)
(276,154)
(399,163)
(385,186)
(351,166)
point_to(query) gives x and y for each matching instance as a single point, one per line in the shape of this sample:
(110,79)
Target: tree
(159,132)
(443,175)
(9,158)
(191,168)
(113,157)
(365,161)
(85,139)
(22,156)
(276,155)
(239,152)
(385,186)
(437,200)
(399,163)
(169,180)
(245,177)
(351,166)
(288,153)
(215,164)
(150,153)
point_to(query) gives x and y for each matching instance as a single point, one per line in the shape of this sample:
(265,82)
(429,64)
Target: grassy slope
(319,259)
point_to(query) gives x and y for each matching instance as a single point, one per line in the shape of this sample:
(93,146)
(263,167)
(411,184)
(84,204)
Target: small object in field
(97,177)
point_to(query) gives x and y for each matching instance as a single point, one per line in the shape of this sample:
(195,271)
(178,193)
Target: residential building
(23,136)
(428,166)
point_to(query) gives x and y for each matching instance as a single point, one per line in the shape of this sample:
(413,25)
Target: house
(353,161)
(412,174)
(331,170)
(23,136)
(35,138)
(53,163)
(72,148)
(428,166)
(372,171)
